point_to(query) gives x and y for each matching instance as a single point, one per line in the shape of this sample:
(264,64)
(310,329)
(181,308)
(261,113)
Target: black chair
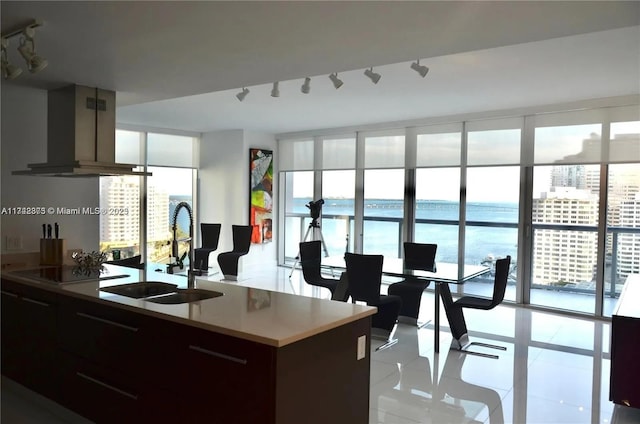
(364,273)
(210,237)
(455,314)
(228,261)
(132,262)
(310,259)
(417,256)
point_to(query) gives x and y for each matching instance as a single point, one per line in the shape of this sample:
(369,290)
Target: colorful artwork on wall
(261,207)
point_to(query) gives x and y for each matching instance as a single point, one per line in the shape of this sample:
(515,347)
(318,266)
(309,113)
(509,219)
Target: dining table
(442,273)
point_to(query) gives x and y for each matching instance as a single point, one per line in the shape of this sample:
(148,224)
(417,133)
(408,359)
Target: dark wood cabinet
(29,328)
(111,363)
(625,328)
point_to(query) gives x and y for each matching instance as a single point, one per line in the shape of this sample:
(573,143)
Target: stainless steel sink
(184,296)
(142,289)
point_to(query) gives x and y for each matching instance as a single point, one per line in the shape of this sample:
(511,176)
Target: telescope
(315,208)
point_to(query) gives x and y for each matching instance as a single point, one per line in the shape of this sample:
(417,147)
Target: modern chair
(417,256)
(310,259)
(132,262)
(210,237)
(228,261)
(456,316)
(364,273)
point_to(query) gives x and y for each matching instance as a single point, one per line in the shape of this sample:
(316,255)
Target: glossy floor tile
(555,370)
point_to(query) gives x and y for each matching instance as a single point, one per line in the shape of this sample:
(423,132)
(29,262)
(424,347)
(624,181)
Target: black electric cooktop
(66,274)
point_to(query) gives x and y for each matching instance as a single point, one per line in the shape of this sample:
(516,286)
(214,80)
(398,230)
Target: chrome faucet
(191,272)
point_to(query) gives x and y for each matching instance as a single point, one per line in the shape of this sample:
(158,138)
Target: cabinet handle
(106,321)
(37,302)
(218,355)
(8,293)
(108,386)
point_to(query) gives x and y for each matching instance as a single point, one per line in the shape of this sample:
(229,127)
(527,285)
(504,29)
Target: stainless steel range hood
(81,135)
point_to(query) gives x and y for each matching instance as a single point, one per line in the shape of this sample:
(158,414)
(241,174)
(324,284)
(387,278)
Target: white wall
(24,137)
(224,188)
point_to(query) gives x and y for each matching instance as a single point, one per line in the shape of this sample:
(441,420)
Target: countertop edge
(277,343)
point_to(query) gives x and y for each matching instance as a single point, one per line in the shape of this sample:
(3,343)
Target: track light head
(306,87)
(420,69)
(241,95)
(275,91)
(337,82)
(373,76)
(27,49)
(9,71)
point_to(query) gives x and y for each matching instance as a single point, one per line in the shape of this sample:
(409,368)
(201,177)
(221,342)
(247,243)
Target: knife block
(52,251)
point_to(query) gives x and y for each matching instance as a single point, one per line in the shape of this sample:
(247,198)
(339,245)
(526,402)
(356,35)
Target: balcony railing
(615,279)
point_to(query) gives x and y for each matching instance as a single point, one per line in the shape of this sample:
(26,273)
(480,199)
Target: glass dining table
(444,273)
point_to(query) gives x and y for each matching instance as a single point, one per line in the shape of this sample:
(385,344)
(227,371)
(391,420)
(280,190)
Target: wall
(224,188)
(24,137)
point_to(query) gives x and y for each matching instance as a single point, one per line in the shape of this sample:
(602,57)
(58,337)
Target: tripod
(314,227)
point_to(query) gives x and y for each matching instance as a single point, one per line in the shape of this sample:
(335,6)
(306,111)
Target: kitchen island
(247,356)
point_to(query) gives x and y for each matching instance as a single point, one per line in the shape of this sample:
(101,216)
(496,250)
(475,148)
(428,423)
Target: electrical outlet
(362,346)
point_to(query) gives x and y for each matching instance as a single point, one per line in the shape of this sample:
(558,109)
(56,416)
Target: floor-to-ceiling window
(297,190)
(622,255)
(492,198)
(121,234)
(565,210)
(437,193)
(383,193)
(529,186)
(150,201)
(338,193)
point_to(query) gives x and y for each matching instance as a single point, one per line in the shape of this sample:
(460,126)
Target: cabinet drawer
(107,396)
(237,373)
(106,335)
(212,355)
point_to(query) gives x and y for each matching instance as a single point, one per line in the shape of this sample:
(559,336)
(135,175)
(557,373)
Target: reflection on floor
(555,370)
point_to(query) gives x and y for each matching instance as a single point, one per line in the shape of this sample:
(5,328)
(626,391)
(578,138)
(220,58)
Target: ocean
(383,236)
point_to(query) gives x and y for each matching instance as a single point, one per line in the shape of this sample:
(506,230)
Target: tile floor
(555,370)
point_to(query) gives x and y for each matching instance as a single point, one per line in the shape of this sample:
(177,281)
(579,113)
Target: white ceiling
(179,64)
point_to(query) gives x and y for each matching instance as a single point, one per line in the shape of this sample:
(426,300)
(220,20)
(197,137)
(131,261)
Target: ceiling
(178,65)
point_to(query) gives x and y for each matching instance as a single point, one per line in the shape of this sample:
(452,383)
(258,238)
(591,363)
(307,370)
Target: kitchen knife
(44,230)
(56,229)
(48,230)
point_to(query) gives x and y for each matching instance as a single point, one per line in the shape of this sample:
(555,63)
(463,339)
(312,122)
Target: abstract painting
(261,207)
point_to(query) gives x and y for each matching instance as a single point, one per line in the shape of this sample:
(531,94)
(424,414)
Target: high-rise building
(120,194)
(565,256)
(122,230)
(628,246)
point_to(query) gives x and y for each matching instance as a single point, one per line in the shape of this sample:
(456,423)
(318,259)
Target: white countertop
(263,316)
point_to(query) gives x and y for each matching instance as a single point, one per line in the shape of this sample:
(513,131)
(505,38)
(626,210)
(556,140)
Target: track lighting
(275,91)
(9,71)
(306,87)
(337,82)
(421,69)
(241,95)
(27,50)
(374,77)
